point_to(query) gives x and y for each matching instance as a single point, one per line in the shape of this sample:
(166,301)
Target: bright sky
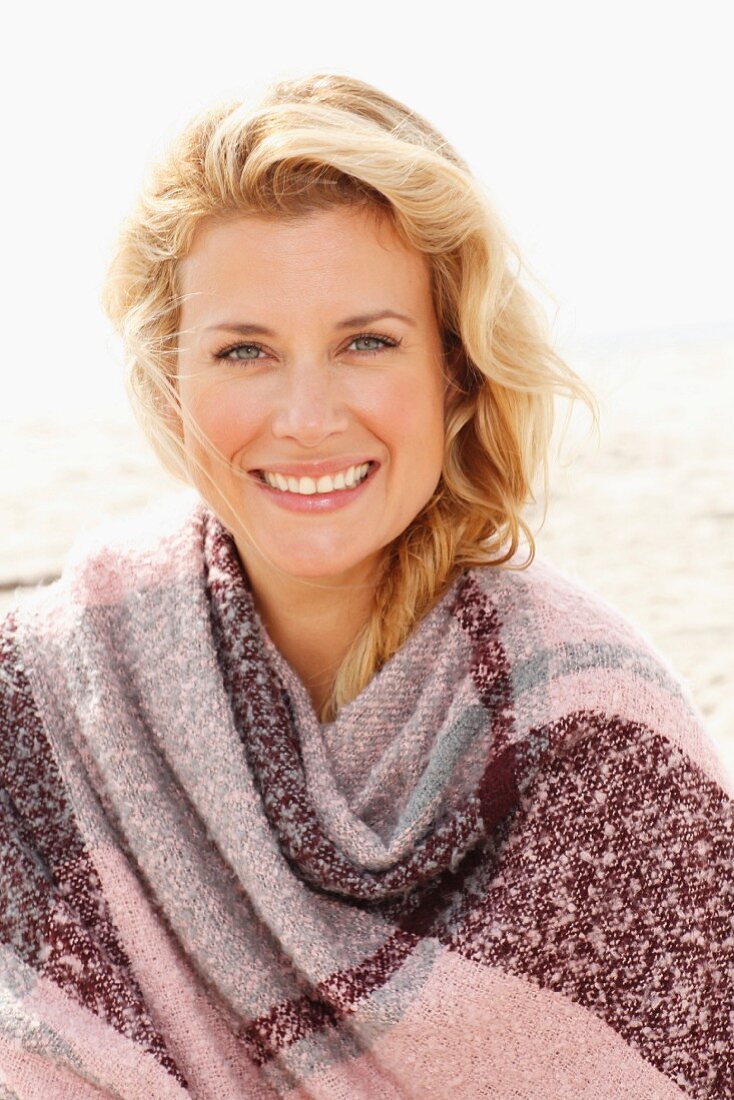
(602,132)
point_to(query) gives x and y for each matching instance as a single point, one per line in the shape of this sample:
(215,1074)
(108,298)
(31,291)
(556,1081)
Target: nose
(309,408)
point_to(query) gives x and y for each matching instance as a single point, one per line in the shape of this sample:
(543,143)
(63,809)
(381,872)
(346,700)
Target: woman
(312,787)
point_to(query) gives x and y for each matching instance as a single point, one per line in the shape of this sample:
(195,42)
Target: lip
(316,469)
(318,502)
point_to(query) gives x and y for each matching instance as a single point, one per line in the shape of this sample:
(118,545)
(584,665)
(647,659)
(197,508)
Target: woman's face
(291,366)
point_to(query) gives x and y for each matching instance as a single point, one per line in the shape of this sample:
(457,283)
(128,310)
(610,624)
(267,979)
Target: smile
(308,486)
(324,494)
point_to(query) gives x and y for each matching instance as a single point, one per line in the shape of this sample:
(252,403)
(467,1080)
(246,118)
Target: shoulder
(107,562)
(19,720)
(565,607)
(12,679)
(539,611)
(148,548)
(114,558)
(568,651)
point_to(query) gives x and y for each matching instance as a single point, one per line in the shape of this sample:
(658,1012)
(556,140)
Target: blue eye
(226,353)
(384,340)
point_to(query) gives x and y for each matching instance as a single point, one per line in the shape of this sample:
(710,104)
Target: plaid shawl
(505,869)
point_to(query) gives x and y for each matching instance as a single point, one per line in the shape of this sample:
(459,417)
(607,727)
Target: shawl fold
(506,869)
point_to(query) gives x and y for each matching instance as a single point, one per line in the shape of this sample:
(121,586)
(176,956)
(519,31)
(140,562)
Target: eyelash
(387,341)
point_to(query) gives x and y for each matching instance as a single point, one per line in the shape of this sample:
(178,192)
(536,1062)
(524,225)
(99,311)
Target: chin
(319,559)
(318,566)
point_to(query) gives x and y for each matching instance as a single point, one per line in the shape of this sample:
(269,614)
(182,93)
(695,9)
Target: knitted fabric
(505,870)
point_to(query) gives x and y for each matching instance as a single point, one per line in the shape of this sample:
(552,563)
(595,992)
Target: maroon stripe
(490,670)
(277,761)
(271,745)
(330,1003)
(638,938)
(53,913)
(612,884)
(333,1000)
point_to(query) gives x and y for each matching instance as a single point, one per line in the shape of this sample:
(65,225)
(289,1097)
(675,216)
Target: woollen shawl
(505,869)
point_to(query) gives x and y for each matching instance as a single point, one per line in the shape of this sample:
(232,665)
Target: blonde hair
(310,143)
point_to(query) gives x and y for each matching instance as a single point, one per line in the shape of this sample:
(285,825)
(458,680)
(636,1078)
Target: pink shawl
(506,869)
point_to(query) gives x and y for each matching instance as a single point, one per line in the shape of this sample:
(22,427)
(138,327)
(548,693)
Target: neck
(312,621)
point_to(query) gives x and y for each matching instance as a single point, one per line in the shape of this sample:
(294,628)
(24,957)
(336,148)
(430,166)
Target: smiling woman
(311,785)
(302,210)
(311,404)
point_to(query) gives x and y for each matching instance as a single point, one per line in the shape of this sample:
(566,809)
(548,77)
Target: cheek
(414,411)
(224,415)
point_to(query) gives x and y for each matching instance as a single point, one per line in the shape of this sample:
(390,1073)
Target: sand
(645,518)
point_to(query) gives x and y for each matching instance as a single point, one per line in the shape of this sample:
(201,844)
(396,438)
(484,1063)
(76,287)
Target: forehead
(342,253)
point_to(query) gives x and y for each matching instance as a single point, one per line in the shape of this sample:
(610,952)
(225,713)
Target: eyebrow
(247,329)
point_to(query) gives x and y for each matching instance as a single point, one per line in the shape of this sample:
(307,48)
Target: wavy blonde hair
(308,144)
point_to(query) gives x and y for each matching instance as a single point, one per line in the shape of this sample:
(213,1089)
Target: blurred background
(602,134)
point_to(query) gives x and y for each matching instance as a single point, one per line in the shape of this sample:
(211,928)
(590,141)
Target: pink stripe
(116,1062)
(34,1077)
(214,1063)
(647,705)
(563,609)
(477,1031)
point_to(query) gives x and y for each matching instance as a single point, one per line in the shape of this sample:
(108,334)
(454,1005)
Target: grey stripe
(569,658)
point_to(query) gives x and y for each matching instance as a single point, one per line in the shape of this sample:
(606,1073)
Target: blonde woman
(314,782)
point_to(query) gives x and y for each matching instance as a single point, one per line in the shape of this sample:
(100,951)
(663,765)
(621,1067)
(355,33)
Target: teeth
(306,486)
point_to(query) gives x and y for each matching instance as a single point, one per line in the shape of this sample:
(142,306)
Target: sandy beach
(645,518)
